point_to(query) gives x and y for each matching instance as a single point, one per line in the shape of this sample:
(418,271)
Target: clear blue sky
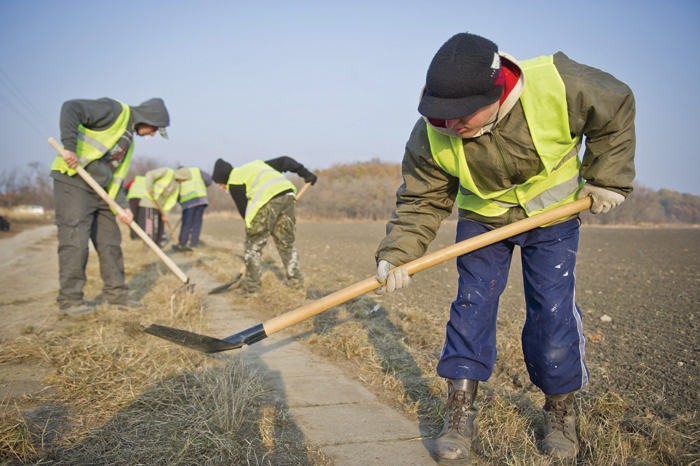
(322,81)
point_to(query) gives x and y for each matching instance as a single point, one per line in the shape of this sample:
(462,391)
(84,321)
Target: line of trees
(30,185)
(358,191)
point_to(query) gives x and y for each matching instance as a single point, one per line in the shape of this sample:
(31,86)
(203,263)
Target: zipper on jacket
(497,143)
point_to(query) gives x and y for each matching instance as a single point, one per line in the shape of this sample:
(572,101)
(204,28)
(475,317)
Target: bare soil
(646,280)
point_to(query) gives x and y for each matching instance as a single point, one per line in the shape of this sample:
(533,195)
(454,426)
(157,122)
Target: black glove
(311,178)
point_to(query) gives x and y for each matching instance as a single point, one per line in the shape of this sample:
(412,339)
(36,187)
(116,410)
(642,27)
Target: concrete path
(333,411)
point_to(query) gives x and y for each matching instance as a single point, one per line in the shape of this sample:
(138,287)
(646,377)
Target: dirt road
(28,286)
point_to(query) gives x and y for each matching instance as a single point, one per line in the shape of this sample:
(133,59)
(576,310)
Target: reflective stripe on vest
(262,183)
(138,188)
(160,187)
(545,109)
(92,145)
(194,187)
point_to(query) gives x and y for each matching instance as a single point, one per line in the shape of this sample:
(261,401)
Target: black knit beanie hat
(221,172)
(464,76)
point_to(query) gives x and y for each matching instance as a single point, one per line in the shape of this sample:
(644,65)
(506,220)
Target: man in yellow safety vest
(193,201)
(500,138)
(98,134)
(265,199)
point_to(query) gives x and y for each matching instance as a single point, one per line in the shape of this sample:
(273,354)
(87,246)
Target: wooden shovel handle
(163,216)
(292,317)
(303,190)
(113,204)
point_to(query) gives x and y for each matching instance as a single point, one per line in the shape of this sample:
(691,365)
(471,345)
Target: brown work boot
(453,445)
(78,310)
(243,293)
(560,440)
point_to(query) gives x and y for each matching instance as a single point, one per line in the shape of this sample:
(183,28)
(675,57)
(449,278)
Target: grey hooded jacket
(99,115)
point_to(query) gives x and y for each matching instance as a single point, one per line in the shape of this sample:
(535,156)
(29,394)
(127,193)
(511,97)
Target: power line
(16,110)
(22,99)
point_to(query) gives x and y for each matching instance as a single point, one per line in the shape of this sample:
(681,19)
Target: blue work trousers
(552,339)
(191,225)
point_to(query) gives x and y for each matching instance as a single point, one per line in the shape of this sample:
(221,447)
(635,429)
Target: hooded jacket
(600,107)
(100,115)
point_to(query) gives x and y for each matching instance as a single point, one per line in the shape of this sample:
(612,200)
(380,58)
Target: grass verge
(121,400)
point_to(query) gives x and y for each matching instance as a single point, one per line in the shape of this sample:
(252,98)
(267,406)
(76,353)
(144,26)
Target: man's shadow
(394,359)
(250,425)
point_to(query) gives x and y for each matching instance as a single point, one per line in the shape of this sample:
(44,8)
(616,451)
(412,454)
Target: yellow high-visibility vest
(544,105)
(194,187)
(137,189)
(93,145)
(262,183)
(164,185)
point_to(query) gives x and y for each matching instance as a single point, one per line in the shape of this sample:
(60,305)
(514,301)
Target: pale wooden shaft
(309,310)
(117,208)
(303,190)
(164,217)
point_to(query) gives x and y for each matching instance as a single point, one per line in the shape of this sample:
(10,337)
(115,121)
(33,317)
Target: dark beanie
(464,76)
(222,170)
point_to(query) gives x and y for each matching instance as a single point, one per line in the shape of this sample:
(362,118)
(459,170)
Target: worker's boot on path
(559,436)
(453,445)
(77,310)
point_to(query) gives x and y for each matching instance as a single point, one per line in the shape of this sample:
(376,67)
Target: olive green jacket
(599,106)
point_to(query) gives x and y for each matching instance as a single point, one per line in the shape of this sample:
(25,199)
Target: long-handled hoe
(225,286)
(207,344)
(134,226)
(164,217)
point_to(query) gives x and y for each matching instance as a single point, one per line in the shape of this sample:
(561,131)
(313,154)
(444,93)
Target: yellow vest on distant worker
(165,184)
(194,187)
(544,105)
(92,145)
(138,188)
(262,183)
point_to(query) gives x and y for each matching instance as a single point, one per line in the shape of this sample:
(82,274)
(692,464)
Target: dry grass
(394,349)
(121,400)
(147,402)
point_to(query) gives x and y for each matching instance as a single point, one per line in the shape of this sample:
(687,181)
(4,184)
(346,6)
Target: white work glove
(603,200)
(395,280)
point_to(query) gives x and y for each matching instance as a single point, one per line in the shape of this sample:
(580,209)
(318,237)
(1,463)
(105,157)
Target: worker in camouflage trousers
(98,134)
(500,138)
(265,199)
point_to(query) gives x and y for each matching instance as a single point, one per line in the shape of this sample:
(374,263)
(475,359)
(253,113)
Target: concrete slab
(332,410)
(314,390)
(353,423)
(402,453)
(294,366)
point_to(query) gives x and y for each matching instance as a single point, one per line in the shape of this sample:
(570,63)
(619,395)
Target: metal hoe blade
(195,341)
(225,286)
(205,343)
